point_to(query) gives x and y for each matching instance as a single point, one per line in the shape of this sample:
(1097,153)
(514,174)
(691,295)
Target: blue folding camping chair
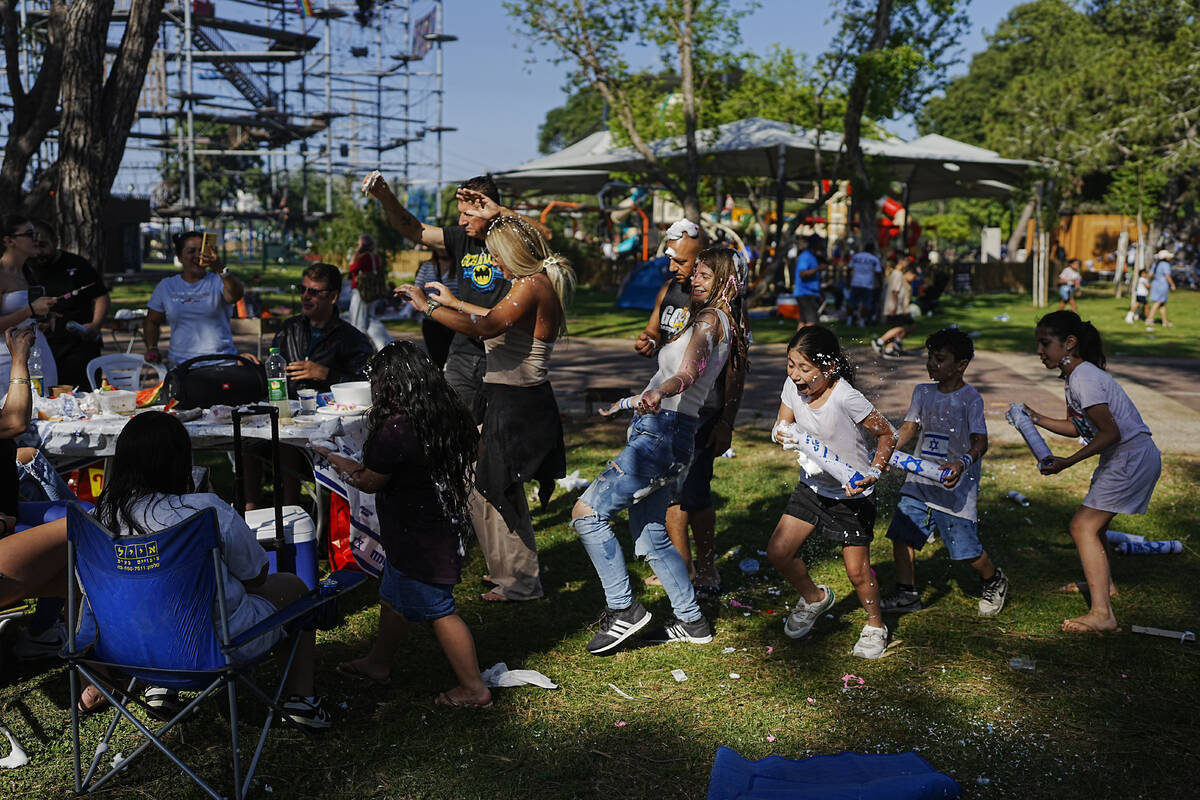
(154,610)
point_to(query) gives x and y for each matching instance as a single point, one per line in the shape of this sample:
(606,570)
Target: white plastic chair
(123,370)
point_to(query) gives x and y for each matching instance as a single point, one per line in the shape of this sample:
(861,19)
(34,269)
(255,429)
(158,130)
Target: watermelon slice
(148,397)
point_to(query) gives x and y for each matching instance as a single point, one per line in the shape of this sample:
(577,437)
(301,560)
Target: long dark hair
(179,240)
(153,454)
(821,346)
(1062,324)
(404,381)
(8,226)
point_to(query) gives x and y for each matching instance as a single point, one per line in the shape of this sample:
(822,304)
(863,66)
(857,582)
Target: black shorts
(693,492)
(849,521)
(808,307)
(898,320)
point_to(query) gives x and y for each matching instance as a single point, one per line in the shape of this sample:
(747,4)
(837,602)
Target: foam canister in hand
(1149,548)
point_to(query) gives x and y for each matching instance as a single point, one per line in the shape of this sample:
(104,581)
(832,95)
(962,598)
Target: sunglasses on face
(308,291)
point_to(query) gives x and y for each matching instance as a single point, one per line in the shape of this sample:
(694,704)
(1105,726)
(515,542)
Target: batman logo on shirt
(478,269)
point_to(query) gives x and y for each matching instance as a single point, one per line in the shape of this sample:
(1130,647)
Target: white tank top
(670,358)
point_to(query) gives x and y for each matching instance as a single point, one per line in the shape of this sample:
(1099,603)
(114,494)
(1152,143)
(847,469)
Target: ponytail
(1062,324)
(562,279)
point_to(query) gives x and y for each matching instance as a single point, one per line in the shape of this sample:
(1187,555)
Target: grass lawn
(593,315)
(1106,716)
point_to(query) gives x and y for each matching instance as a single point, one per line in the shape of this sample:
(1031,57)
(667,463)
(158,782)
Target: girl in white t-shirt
(1099,412)
(819,400)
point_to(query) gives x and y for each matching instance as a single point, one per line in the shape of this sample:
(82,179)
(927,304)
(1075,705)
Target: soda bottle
(36,382)
(277,383)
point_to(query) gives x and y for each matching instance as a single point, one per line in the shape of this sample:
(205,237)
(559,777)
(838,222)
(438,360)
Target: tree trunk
(862,193)
(97,115)
(691,176)
(1018,233)
(34,112)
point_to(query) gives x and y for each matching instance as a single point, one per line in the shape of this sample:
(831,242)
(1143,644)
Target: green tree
(592,36)
(889,55)
(1099,94)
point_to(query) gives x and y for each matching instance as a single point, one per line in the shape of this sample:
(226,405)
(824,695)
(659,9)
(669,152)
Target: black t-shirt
(65,274)
(419,541)
(674,311)
(479,280)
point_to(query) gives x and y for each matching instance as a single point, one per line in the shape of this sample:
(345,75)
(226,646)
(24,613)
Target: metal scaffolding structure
(315,88)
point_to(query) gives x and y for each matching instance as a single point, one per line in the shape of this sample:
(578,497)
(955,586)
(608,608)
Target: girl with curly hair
(522,431)
(417,459)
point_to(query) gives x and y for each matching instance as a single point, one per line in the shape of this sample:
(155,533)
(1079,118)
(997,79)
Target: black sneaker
(616,626)
(995,592)
(900,602)
(299,711)
(676,630)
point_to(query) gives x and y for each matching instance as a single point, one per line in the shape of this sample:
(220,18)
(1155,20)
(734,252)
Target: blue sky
(497,100)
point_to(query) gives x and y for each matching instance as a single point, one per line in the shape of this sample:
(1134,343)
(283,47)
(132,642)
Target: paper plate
(330,411)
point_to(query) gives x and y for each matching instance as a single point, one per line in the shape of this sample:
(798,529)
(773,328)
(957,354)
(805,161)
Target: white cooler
(299,552)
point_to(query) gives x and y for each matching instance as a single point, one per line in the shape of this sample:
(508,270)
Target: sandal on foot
(91,701)
(446,701)
(1079,626)
(349,669)
(494,596)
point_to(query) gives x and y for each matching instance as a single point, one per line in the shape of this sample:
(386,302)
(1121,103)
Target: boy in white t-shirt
(946,420)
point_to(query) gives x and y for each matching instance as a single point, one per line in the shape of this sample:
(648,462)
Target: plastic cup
(308,400)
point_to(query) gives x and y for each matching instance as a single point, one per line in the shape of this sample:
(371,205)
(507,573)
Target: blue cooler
(299,552)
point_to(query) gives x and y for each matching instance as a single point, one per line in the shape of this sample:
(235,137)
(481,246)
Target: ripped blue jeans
(658,449)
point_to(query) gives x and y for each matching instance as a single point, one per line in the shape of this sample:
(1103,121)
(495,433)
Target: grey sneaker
(871,642)
(900,602)
(995,592)
(804,615)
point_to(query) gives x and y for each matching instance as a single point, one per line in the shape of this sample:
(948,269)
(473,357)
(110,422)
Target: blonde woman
(522,432)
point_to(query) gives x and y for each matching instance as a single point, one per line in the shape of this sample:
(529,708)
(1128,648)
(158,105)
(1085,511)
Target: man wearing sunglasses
(320,348)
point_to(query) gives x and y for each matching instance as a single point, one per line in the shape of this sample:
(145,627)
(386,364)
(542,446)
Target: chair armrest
(346,580)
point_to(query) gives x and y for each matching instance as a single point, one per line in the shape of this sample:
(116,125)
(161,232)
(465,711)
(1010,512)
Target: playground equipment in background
(893,219)
(628,243)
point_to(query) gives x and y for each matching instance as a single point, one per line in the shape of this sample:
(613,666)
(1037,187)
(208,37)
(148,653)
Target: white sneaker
(804,615)
(1129,318)
(871,642)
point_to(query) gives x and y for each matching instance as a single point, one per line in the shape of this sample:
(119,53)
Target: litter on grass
(849,679)
(679,675)
(613,686)
(1182,636)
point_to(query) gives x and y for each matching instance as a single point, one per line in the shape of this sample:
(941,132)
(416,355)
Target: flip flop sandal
(98,701)
(446,701)
(347,670)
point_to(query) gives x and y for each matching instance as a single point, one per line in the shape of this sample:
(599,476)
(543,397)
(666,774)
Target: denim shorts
(1065,291)
(416,601)
(658,449)
(914,522)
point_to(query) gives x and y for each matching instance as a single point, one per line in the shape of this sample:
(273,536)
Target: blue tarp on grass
(845,776)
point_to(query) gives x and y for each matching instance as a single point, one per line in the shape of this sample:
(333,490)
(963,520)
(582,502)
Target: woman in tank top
(522,435)
(658,451)
(19,239)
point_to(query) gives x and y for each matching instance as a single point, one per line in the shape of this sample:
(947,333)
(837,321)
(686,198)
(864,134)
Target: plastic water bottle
(1019,499)
(277,383)
(36,382)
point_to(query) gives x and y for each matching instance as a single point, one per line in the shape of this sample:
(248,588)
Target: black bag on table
(207,381)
